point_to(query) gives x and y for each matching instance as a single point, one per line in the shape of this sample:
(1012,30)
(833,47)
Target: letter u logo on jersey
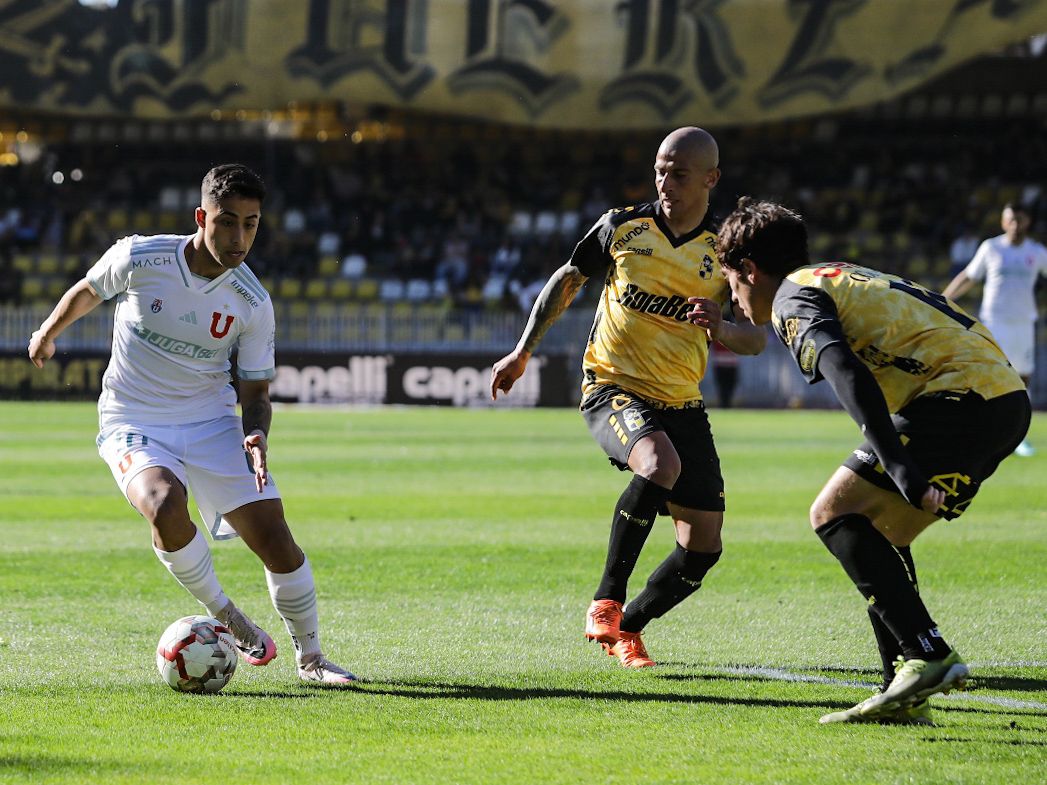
(215,316)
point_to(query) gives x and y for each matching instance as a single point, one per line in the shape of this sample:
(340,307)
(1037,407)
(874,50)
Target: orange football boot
(602,621)
(630,651)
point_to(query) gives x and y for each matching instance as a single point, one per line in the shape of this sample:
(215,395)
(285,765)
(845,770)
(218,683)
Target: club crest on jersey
(224,330)
(633,419)
(157,305)
(705,268)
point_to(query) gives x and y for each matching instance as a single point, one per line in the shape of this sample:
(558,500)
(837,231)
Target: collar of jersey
(187,275)
(675,241)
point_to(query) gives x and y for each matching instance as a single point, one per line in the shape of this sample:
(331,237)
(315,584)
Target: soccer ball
(196,654)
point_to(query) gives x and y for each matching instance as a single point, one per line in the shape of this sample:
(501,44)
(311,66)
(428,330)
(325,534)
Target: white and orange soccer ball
(196,654)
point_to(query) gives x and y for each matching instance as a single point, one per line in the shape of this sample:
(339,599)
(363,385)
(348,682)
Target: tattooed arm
(257,417)
(558,293)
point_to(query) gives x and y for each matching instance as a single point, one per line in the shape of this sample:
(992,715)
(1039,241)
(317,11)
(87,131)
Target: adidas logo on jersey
(674,307)
(188,317)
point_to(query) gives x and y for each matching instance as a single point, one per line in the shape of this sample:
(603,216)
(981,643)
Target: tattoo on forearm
(258,414)
(553,300)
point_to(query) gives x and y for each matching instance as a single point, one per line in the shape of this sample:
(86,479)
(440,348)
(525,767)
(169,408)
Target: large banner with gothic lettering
(556,63)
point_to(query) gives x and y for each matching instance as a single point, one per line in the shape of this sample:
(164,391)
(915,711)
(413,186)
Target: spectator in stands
(1009,265)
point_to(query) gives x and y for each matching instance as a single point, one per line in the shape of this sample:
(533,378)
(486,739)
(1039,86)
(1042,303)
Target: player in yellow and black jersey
(642,367)
(939,407)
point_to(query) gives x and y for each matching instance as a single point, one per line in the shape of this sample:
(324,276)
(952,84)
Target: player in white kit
(167,412)
(1008,265)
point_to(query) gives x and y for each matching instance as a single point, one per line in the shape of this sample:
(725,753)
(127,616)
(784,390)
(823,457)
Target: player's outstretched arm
(558,293)
(257,417)
(958,286)
(741,337)
(78,301)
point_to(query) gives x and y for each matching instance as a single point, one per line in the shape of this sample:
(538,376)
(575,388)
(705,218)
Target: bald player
(640,390)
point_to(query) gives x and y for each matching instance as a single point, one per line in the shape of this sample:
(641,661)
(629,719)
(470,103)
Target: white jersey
(1009,272)
(174,332)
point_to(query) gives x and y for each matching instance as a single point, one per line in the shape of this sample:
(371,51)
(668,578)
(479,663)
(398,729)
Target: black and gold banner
(580,64)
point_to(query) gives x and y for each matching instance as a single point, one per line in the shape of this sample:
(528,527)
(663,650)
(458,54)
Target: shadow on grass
(39,764)
(447,691)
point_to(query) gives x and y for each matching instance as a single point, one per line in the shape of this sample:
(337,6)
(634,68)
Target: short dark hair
(772,236)
(1017,207)
(227,180)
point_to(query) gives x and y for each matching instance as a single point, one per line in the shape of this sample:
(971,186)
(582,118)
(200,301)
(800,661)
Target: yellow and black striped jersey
(914,341)
(641,339)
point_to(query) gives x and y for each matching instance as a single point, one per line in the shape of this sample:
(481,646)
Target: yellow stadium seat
(366,289)
(168,221)
(70,263)
(117,220)
(24,263)
(55,288)
(289,288)
(316,289)
(47,263)
(328,266)
(341,289)
(326,310)
(32,287)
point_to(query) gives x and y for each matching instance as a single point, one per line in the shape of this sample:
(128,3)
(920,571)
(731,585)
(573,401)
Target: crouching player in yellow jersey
(642,367)
(939,407)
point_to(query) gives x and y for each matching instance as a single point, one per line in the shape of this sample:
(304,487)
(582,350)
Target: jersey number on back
(933,299)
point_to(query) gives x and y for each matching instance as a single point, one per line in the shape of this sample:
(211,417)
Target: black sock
(881,574)
(674,580)
(633,520)
(888,645)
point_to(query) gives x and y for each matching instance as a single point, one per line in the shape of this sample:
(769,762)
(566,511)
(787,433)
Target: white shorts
(208,458)
(1018,341)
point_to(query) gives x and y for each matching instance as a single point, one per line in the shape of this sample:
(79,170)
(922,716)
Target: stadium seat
(494,288)
(366,289)
(47,263)
(117,220)
(33,288)
(316,289)
(354,265)
(341,289)
(289,288)
(328,266)
(521,223)
(545,223)
(391,289)
(169,222)
(24,262)
(54,288)
(569,222)
(419,289)
(70,263)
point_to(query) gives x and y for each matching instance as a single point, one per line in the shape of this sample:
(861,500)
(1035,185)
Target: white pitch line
(781,674)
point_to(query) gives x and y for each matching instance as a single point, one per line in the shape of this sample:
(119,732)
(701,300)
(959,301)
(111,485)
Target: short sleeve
(256,356)
(592,255)
(975,269)
(806,321)
(111,274)
(1041,259)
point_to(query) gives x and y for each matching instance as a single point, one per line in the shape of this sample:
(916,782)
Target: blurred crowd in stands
(477,217)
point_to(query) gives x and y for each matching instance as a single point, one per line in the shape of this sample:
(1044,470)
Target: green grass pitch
(455,553)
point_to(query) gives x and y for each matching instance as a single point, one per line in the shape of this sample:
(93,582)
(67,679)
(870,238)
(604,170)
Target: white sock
(294,597)
(191,566)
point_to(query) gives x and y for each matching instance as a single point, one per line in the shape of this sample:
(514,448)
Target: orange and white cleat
(602,621)
(630,651)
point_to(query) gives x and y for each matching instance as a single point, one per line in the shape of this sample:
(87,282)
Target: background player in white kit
(1009,265)
(167,412)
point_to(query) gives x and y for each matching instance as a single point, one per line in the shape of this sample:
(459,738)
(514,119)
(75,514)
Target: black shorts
(618,419)
(958,439)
